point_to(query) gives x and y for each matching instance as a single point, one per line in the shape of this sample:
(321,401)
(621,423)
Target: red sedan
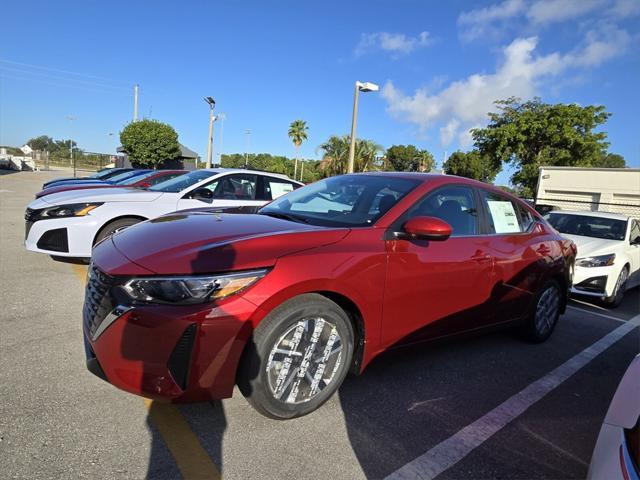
(287,301)
(139,181)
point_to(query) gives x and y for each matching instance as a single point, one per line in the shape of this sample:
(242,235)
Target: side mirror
(635,241)
(427,228)
(203,194)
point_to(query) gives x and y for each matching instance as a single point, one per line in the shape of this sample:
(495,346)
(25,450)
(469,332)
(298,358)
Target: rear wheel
(298,357)
(616,298)
(115,226)
(545,313)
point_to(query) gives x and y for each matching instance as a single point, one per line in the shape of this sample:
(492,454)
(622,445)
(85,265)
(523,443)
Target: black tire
(615,300)
(540,325)
(115,226)
(256,380)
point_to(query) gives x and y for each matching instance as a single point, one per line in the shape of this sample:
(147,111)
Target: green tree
(335,155)
(41,143)
(532,134)
(472,165)
(408,158)
(610,160)
(149,143)
(298,134)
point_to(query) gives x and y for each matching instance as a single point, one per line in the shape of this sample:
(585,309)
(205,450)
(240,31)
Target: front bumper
(595,281)
(179,353)
(66,237)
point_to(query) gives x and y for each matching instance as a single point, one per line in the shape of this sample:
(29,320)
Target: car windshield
(102,173)
(588,226)
(134,179)
(343,201)
(125,175)
(177,184)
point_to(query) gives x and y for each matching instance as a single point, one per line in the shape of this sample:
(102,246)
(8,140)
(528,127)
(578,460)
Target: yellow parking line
(191,458)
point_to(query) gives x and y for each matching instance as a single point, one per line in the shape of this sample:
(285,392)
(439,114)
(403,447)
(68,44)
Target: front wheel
(616,298)
(115,226)
(298,357)
(545,313)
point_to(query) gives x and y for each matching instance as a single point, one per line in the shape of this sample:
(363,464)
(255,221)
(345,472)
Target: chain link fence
(87,161)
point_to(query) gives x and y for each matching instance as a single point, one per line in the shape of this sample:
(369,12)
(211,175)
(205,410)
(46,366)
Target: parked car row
(82,213)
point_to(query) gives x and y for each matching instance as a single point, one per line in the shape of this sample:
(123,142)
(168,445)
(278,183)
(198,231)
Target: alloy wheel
(547,310)
(304,360)
(620,287)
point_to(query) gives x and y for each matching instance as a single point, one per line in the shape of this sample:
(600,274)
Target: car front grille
(97,299)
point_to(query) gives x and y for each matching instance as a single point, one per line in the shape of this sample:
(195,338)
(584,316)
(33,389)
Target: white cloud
(549,11)
(625,8)
(511,15)
(448,132)
(478,23)
(396,43)
(465,103)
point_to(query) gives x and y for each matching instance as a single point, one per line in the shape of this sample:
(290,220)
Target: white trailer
(614,190)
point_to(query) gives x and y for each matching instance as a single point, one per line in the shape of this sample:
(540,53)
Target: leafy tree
(532,134)
(149,143)
(408,158)
(41,143)
(335,155)
(610,160)
(472,165)
(298,134)
(273,163)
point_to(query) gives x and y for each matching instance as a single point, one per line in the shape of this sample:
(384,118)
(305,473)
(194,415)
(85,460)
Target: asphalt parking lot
(443,410)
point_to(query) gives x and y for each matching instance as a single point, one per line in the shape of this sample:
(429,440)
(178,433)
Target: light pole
(71,118)
(221,117)
(212,104)
(247,132)
(360,87)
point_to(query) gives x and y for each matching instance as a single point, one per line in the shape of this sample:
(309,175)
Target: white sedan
(69,224)
(617,452)
(608,244)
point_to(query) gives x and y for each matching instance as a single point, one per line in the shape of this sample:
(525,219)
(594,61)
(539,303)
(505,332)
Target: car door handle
(480,256)
(543,250)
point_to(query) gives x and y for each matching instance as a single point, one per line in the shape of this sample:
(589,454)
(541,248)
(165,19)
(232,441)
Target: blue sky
(439,64)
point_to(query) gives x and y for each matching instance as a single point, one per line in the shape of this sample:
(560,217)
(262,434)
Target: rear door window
(276,187)
(505,216)
(236,187)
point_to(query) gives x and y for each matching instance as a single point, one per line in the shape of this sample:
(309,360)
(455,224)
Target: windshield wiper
(285,216)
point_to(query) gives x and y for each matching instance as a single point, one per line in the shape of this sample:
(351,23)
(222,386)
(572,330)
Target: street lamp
(71,118)
(212,104)
(360,87)
(221,117)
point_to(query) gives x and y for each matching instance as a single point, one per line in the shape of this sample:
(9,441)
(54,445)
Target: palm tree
(335,155)
(298,134)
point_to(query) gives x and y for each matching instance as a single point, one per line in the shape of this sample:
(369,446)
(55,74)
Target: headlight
(71,210)
(190,290)
(599,261)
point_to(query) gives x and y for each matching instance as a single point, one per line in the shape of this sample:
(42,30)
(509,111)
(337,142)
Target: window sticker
(278,189)
(504,216)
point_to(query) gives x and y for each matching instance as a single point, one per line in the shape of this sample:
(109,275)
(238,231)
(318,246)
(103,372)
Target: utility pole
(301,169)
(247,132)
(135,103)
(71,118)
(221,117)
(360,87)
(212,105)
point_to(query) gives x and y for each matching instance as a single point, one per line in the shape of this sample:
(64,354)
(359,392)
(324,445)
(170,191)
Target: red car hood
(205,242)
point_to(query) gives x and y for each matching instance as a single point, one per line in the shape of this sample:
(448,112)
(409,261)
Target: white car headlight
(190,290)
(599,261)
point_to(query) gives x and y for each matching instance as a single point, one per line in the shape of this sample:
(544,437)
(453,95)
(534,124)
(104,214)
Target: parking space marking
(455,448)
(610,317)
(192,459)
